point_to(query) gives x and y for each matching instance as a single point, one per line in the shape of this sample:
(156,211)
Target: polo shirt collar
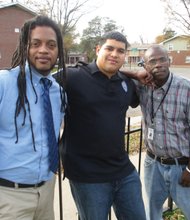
(94,69)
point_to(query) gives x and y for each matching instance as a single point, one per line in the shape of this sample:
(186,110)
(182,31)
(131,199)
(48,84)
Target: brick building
(135,53)
(12,17)
(178,48)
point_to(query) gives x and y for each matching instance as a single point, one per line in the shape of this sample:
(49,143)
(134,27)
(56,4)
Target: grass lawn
(176,214)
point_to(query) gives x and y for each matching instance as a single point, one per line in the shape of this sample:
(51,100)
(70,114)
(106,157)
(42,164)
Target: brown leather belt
(7,183)
(169,160)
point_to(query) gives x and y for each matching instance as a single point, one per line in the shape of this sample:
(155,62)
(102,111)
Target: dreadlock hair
(19,59)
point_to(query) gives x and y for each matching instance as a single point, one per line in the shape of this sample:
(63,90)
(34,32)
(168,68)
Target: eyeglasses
(161,60)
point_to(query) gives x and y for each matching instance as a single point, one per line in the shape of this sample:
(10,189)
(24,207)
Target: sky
(140,18)
(144,18)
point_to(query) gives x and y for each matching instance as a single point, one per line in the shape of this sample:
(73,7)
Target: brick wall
(179,57)
(11,19)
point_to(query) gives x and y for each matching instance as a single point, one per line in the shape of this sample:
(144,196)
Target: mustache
(157,70)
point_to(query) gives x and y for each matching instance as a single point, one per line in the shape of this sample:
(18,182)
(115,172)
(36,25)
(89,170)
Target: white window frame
(170,47)
(17,30)
(187,59)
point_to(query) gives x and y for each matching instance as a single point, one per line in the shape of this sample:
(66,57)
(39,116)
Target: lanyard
(162,100)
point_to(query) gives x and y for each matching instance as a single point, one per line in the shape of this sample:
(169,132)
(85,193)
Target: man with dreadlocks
(26,181)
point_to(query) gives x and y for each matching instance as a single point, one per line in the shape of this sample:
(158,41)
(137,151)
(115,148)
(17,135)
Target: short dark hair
(155,47)
(114,35)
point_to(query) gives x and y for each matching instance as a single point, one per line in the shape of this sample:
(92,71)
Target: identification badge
(150,133)
(124,85)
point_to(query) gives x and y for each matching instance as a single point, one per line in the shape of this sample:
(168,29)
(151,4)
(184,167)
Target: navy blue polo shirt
(94,133)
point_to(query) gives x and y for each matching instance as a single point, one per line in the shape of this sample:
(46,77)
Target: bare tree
(66,13)
(178,12)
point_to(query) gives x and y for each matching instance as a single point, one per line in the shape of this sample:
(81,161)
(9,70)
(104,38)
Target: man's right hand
(144,77)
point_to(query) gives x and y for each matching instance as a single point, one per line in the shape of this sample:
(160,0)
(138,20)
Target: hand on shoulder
(144,77)
(141,75)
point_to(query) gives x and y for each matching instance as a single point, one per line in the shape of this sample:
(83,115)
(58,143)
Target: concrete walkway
(69,209)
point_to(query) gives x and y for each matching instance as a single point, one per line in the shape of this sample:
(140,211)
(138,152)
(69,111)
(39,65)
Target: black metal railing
(127,135)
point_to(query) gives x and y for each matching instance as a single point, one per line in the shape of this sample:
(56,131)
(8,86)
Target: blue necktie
(52,142)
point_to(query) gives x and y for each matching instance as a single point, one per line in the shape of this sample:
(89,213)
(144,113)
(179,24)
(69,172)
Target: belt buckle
(16,185)
(38,184)
(162,160)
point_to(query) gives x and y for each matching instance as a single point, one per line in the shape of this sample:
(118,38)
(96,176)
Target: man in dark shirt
(95,161)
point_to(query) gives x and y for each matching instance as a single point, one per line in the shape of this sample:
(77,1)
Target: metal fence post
(60,191)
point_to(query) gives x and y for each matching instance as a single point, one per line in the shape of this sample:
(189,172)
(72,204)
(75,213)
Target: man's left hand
(185,179)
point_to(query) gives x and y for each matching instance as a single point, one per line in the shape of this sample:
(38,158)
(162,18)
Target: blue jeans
(162,181)
(94,200)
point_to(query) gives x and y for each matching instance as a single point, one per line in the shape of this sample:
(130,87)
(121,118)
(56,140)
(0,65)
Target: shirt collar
(94,69)
(165,86)
(36,76)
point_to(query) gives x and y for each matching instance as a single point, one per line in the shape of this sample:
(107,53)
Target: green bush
(176,214)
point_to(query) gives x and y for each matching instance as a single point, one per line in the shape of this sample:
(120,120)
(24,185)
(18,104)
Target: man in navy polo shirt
(95,161)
